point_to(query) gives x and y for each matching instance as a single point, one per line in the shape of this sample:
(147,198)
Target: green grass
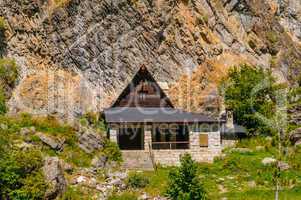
(49,126)
(157,181)
(236,172)
(128,195)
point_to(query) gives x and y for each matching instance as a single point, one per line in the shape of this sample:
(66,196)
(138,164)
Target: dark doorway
(131,138)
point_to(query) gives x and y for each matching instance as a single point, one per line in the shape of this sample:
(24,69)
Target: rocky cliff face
(76,56)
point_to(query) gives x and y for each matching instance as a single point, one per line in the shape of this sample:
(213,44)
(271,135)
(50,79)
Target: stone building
(149,130)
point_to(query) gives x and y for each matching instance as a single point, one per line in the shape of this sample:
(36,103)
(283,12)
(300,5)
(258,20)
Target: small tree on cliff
(184,183)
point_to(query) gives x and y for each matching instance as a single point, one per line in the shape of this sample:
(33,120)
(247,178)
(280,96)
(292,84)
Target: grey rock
(120,175)
(268,161)
(54,176)
(66,166)
(24,146)
(283,165)
(298,143)
(99,161)
(295,136)
(144,196)
(90,141)
(115,182)
(53,143)
(27,130)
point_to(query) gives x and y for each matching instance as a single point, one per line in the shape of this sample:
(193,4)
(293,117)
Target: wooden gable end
(143,91)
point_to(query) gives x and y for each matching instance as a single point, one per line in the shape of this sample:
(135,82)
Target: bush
(8,72)
(137,181)
(3,108)
(247,92)
(183,181)
(112,151)
(73,193)
(20,174)
(94,120)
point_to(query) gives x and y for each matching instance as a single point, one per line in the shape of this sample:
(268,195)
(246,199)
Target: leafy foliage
(248,92)
(20,173)
(8,76)
(3,108)
(137,180)
(8,71)
(93,120)
(112,151)
(184,183)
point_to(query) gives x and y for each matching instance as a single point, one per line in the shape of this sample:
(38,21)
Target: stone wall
(200,154)
(172,157)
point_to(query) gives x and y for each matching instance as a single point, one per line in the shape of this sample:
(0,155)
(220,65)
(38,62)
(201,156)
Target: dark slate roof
(143,114)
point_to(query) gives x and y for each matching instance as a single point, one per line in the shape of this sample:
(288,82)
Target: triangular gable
(143,91)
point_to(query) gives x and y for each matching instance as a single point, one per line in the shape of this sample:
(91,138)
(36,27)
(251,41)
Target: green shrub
(249,91)
(112,151)
(72,193)
(184,183)
(94,120)
(3,108)
(34,187)
(137,180)
(272,37)
(20,174)
(8,71)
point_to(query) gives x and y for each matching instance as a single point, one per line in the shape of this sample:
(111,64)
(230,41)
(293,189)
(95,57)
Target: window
(203,140)
(172,136)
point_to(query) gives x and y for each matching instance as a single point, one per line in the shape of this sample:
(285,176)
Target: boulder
(66,166)
(89,141)
(298,143)
(24,146)
(283,166)
(295,136)
(120,175)
(144,196)
(27,131)
(54,176)
(99,161)
(268,161)
(53,143)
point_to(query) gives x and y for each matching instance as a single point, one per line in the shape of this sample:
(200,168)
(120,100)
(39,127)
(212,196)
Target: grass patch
(49,126)
(157,181)
(239,175)
(128,195)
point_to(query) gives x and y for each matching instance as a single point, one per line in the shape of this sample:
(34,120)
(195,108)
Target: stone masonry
(172,157)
